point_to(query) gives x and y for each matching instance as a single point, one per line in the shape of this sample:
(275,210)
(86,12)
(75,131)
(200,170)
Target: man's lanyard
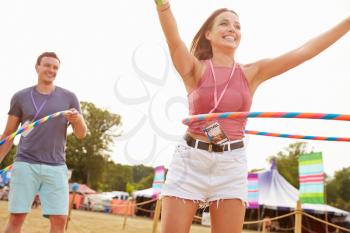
(216,100)
(38,110)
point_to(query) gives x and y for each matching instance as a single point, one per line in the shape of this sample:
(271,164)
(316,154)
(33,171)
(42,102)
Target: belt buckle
(210,147)
(220,148)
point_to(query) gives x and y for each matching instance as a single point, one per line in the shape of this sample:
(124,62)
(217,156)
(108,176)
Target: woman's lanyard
(38,110)
(216,100)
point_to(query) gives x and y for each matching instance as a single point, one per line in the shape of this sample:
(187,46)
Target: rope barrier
(327,223)
(146,202)
(145,210)
(271,219)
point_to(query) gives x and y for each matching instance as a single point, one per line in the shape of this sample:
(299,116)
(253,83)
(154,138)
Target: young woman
(210,166)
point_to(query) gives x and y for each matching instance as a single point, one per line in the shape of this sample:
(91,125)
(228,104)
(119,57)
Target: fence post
(75,188)
(126,213)
(298,218)
(156,215)
(264,226)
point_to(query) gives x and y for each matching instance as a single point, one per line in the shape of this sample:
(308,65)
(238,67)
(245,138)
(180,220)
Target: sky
(113,53)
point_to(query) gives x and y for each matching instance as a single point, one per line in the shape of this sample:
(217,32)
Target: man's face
(47,69)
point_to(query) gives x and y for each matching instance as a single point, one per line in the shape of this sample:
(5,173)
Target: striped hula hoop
(298,115)
(31,125)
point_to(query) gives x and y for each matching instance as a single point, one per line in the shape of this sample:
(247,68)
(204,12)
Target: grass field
(89,222)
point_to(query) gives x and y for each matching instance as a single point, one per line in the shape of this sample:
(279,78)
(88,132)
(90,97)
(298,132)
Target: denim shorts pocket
(237,155)
(181,151)
(241,159)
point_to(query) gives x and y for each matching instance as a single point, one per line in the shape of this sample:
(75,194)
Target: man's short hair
(47,54)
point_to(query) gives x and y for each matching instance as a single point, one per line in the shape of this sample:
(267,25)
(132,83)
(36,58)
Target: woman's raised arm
(185,63)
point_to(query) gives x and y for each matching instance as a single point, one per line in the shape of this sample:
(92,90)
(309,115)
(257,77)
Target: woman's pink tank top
(237,98)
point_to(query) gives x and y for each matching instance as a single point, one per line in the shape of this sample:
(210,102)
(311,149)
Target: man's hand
(72,115)
(77,121)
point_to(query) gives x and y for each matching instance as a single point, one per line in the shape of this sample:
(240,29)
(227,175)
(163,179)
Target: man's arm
(11,126)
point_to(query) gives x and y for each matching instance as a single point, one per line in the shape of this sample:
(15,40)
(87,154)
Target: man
(40,160)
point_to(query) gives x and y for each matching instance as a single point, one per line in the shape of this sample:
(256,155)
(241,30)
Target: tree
(140,172)
(89,156)
(116,177)
(338,191)
(145,182)
(287,162)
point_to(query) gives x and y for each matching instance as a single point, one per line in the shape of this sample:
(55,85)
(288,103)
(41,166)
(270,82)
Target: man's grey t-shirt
(44,144)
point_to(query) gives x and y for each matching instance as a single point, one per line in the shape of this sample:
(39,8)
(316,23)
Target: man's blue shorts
(51,182)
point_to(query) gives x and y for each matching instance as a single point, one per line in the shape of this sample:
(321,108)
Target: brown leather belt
(212,147)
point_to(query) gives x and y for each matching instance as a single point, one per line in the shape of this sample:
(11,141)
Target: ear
(36,68)
(208,35)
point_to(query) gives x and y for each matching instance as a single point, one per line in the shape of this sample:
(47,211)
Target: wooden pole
(71,204)
(126,213)
(156,216)
(258,218)
(261,214)
(264,227)
(298,218)
(325,201)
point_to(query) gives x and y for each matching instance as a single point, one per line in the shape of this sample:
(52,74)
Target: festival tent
(83,189)
(276,193)
(147,193)
(142,196)
(118,195)
(97,202)
(105,201)
(154,191)
(347,219)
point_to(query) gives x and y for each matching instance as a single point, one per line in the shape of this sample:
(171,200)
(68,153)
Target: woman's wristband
(161,2)
(164,7)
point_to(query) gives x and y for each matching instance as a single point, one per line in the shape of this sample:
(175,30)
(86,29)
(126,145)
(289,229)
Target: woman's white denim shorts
(203,176)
